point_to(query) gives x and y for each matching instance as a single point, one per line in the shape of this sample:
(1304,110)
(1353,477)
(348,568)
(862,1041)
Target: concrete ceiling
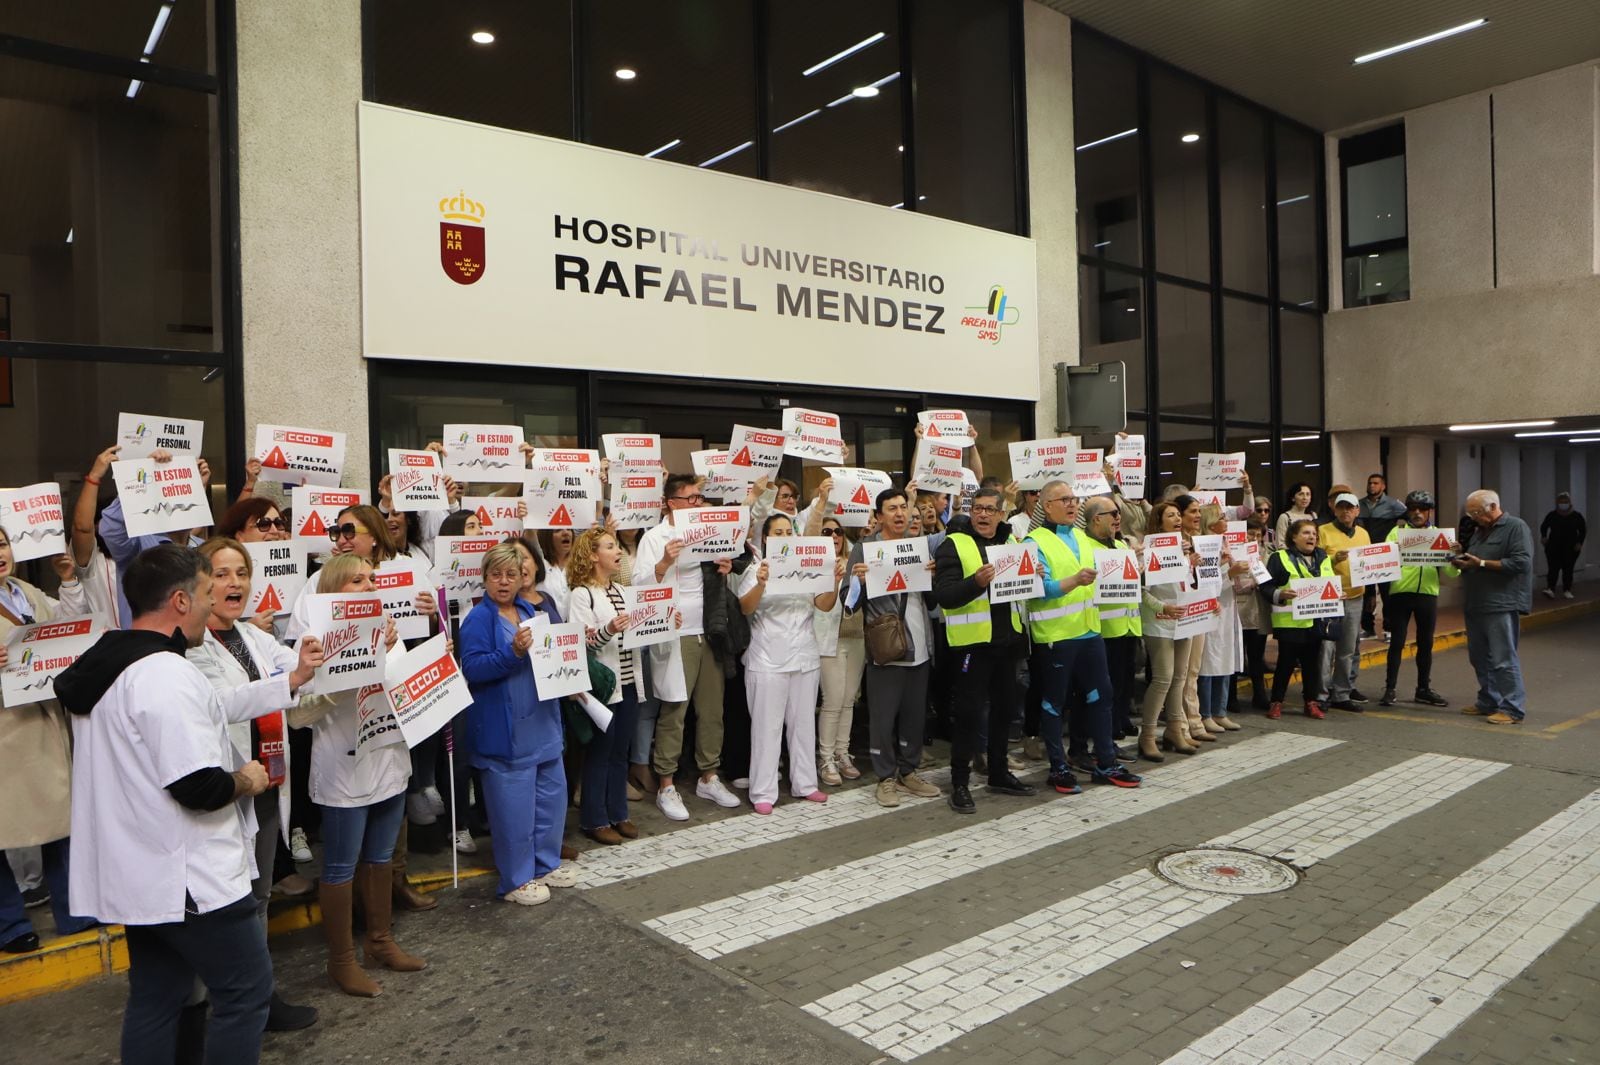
(1294,56)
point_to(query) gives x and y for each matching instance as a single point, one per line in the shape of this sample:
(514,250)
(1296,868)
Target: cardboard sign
(855,487)
(637,496)
(277,576)
(896,566)
(565,460)
(316,510)
(1374,564)
(1129,460)
(140,434)
(753,454)
(937,467)
(484,452)
(561,500)
(1208,563)
(709,465)
(34,520)
(1116,577)
(632,449)
(1317,597)
(1089,474)
(812,434)
(458,565)
(1202,613)
(651,610)
(416,481)
(299,456)
(1016,573)
(1258,567)
(398,582)
(1234,537)
(1164,561)
(1418,547)
(425,689)
(160,497)
(376,726)
(1220,470)
(1210,499)
(352,628)
(559,660)
(37,654)
(497,515)
(800,565)
(1034,463)
(711,533)
(946,426)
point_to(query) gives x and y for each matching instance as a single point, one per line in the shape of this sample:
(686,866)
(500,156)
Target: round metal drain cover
(1227,872)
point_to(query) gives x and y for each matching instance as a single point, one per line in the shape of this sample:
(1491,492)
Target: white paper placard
(140,434)
(352,628)
(458,565)
(416,481)
(559,660)
(1164,561)
(376,726)
(895,566)
(651,615)
(584,462)
(946,426)
(1208,563)
(398,583)
(37,654)
(277,576)
(484,452)
(497,515)
(1423,547)
(1374,564)
(316,510)
(1317,597)
(1224,470)
(712,533)
(1016,575)
(637,497)
(1035,463)
(160,497)
(753,454)
(1210,499)
(1089,473)
(299,456)
(813,435)
(709,464)
(632,449)
(937,467)
(1116,577)
(1258,568)
(34,520)
(800,565)
(856,487)
(561,499)
(1201,614)
(1130,465)
(969,488)
(851,517)
(425,689)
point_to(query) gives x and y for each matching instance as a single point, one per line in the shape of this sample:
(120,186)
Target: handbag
(887,639)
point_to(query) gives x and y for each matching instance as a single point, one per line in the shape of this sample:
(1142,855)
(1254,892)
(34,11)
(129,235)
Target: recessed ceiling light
(1429,39)
(865,92)
(1590,431)
(1190,138)
(1468,427)
(626,74)
(1372,255)
(673,143)
(1107,140)
(1584,440)
(482,37)
(832,59)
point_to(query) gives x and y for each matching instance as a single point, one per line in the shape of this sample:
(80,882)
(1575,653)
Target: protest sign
(1016,574)
(812,434)
(632,449)
(711,533)
(397,582)
(584,462)
(946,426)
(856,487)
(34,521)
(416,482)
(376,726)
(1208,563)
(425,689)
(937,467)
(1116,577)
(1209,499)
(484,452)
(1164,561)
(561,500)
(1129,461)
(140,434)
(559,660)
(1234,537)
(1220,470)
(1317,597)
(1034,463)
(636,496)
(1089,473)
(299,456)
(1423,547)
(800,565)
(969,488)
(895,566)
(352,628)
(160,497)
(1201,614)
(37,654)
(316,510)
(497,515)
(1258,567)
(1374,564)
(458,565)
(277,576)
(753,454)
(651,615)
(710,465)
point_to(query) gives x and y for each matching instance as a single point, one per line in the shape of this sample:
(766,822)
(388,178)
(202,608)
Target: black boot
(283,1017)
(961,800)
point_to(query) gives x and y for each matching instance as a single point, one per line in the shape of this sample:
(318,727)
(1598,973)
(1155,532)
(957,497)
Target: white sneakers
(715,791)
(435,800)
(560,876)
(419,809)
(465,844)
(299,849)
(530,894)
(671,803)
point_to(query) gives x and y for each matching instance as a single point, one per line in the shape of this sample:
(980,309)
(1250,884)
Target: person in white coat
(1223,653)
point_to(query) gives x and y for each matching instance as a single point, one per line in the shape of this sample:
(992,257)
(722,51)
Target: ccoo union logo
(989,319)
(461,238)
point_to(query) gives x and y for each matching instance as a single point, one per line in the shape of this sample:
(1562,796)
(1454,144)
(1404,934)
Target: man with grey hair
(1497,578)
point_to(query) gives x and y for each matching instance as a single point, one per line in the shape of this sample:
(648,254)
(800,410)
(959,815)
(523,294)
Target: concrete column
(1355,455)
(1052,195)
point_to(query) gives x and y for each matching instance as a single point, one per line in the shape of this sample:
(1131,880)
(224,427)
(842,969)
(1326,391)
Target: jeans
(527,811)
(1214,696)
(359,833)
(1306,653)
(1072,674)
(897,706)
(1492,638)
(227,949)
(14,915)
(984,673)
(605,767)
(1403,606)
(1341,659)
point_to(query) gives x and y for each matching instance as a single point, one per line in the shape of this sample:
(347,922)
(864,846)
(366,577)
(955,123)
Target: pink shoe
(763,807)
(817,796)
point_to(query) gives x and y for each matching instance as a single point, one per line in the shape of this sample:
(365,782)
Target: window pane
(121,29)
(1247,385)
(1257,447)
(1242,188)
(1298,220)
(1300,337)
(965,122)
(1111,324)
(997,427)
(115,244)
(1105,117)
(1183,236)
(1375,201)
(421,55)
(1183,350)
(1302,461)
(1377,277)
(1175,458)
(825,137)
(694,81)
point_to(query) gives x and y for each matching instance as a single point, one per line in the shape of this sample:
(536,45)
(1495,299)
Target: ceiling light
(852,50)
(1377,284)
(626,74)
(922,197)
(864,92)
(1293,462)
(1294,199)
(1168,454)
(727,154)
(1429,39)
(1313,465)
(673,143)
(1468,427)
(156,30)
(1372,255)
(1562,432)
(896,206)
(69,236)
(1103,244)
(1308,436)
(1189,138)
(1108,140)
(846,98)
(1584,440)
(796,121)
(902,147)
(482,37)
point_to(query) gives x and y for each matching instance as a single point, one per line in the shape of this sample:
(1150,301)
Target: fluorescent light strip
(896,206)
(673,143)
(1564,432)
(730,152)
(1108,140)
(1584,440)
(69,235)
(155,31)
(1468,427)
(133,88)
(1289,439)
(1429,39)
(796,121)
(852,50)
(1294,199)
(1103,244)
(881,82)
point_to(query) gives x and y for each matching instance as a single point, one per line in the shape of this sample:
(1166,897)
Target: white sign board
(1016,574)
(299,456)
(1208,563)
(33,520)
(1089,474)
(140,434)
(559,660)
(398,582)
(812,434)
(1220,470)
(636,496)
(1164,561)
(712,533)
(652,611)
(484,452)
(946,426)
(1422,547)
(895,566)
(800,565)
(1374,564)
(632,449)
(458,565)
(753,454)
(426,689)
(937,467)
(37,654)
(1130,467)
(160,497)
(1034,463)
(277,576)
(316,510)
(1116,577)
(855,487)
(561,501)
(711,464)
(497,515)
(352,629)
(1317,597)
(415,481)
(1201,613)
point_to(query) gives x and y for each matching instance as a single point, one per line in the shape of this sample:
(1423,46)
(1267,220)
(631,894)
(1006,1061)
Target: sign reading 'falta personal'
(478,242)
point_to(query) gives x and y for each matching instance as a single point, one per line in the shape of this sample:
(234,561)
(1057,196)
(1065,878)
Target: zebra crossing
(1388,996)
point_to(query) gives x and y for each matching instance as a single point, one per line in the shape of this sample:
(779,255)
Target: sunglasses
(268,524)
(348,531)
(833,532)
(1263,510)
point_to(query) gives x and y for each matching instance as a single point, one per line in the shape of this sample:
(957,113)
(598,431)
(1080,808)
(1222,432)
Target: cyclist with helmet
(1414,596)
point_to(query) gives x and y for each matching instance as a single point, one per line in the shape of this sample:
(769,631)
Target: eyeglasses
(268,524)
(984,508)
(348,531)
(1263,510)
(1061,499)
(696,498)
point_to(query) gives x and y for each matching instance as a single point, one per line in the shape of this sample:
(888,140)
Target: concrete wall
(1052,196)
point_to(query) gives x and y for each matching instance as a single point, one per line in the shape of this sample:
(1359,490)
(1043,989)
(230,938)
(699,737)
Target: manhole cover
(1227,872)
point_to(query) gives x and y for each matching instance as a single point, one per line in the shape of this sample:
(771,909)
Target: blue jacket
(507,721)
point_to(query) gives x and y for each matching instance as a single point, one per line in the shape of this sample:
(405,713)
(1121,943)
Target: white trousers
(780,701)
(841,685)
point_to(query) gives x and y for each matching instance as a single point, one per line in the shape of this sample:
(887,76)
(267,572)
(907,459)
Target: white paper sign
(1116,577)
(398,582)
(855,487)
(632,449)
(425,689)
(1164,561)
(1201,614)
(812,434)
(1418,547)
(851,517)
(565,460)
(1130,465)
(160,497)
(33,520)
(651,615)
(561,500)
(969,488)
(376,726)
(416,481)
(1220,470)
(709,465)
(895,566)
(1211,499)
(800,565)
(352,629)
(497,515)
(636,496)
(946,426)
(299,456)
(753,454)
(458,565)
(277,576)
(1234,537)
(1034,463)
(559,660)
(1374,564)
(316,510)
(140,434)
(712,533)
(937,467)
(1258,568)
(1317,597)
(1016,574)
(1089,473)
(1208,563)
(484,452)
(37,654)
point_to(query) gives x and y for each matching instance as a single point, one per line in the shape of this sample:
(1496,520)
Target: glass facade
(1377,259)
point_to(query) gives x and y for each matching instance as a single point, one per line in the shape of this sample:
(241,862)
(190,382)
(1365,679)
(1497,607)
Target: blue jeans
(1492,648)
(14,916)
(1075,675)
(1213,693)
(359,833)
(527,811)
(605,768)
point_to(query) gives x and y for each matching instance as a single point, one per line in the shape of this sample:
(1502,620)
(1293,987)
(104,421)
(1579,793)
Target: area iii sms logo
(993,316)
(461,239)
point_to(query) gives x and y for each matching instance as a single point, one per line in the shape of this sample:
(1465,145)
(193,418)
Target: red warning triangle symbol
(897,583)
(270,603)
(1330,591)
(1441,543)
(483,517)
(1025,567)
(861,496)
(1128,572)
(932,430)
(741,459)
(1154,565)
(561,517)
(275,459)
(314,526)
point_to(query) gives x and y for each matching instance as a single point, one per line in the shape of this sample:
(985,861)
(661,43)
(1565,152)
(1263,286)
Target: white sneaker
(530,894)
(1568,595)
(299,849)
(671,804)
(742,783)
(465,844)
(560,876)
(1549,593)
(419,809)
(435,800)
(717,792)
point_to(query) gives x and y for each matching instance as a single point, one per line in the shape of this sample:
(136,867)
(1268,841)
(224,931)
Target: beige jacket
(35,758)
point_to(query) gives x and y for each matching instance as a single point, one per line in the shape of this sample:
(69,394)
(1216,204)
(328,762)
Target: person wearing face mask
(1414,595)
(1562,533)
(1298,642)
(161,842)
(1297,507)
(1341,658)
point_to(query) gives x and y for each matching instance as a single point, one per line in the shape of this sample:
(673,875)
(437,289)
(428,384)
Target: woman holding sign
(1299,641)
(841,641)
(1169,657)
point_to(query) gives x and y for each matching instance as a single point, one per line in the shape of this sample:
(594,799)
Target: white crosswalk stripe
(738,921)
(924,1004)
(1393,994)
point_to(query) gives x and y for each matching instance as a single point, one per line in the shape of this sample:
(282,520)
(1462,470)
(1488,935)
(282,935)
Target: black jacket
(952,589)
(1563,531)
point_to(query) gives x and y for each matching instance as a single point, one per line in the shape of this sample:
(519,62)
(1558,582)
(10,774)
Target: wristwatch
(1482,562)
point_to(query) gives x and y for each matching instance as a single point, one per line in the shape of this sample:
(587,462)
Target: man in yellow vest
(1066,630)
(1415,595)
(1121,627)
(987,640)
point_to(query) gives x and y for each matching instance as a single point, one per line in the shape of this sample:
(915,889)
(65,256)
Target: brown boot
(376,887)
(1177,738)
(342,968)
(406,897)
(1149,749)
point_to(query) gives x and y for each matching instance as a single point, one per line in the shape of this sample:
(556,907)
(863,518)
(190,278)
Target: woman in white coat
(1223,653)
